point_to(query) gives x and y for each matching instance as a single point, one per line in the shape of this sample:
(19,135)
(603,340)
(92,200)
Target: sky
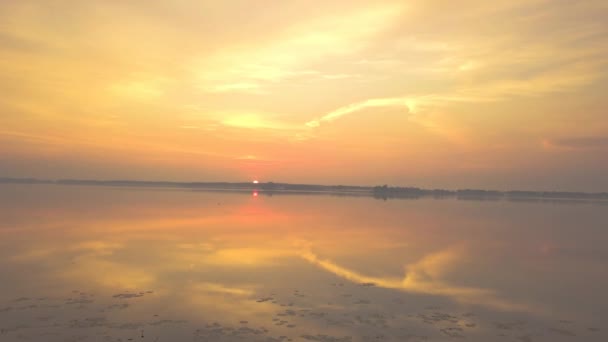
(505,94)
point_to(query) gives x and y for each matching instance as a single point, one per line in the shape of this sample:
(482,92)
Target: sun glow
(288,93)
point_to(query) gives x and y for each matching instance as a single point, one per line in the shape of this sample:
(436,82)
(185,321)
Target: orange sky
(498,94)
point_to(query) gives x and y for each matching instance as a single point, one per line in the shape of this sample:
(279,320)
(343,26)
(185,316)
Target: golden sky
(473,93)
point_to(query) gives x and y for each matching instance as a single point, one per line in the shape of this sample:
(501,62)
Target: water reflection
(115,264)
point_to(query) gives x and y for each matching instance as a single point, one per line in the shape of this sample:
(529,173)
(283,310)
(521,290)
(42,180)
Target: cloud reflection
(424,277)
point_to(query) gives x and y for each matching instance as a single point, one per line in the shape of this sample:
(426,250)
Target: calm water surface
(108,264)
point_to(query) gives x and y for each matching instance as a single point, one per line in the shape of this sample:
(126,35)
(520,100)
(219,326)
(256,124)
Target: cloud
(290,55)
(12,42)
(407,103)
(502,54)
(578,142)
(244,87)
(144,89)
(555,81)
(253,121)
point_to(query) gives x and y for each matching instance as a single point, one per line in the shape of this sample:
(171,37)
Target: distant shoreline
(379,192)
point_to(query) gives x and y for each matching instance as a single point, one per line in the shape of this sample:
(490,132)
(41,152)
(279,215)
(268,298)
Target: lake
(122,264)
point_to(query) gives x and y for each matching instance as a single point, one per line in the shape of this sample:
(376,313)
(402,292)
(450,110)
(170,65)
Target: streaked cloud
(406,103)
(577,142)
(142,90)
(253,121)
(247,87)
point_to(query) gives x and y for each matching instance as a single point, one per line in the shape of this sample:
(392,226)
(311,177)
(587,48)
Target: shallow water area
(121,264)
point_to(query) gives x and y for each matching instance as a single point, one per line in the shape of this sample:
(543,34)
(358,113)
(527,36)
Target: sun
(256,182)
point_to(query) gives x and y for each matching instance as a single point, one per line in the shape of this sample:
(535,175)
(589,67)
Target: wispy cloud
(578,142)
(404,102)
(253,121)
(291,57)
(409,105)
(244,87)
(553,82)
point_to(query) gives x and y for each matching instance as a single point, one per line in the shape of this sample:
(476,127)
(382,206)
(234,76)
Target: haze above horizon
(469,94)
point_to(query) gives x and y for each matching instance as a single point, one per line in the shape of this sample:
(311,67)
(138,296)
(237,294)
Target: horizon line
(389,191)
